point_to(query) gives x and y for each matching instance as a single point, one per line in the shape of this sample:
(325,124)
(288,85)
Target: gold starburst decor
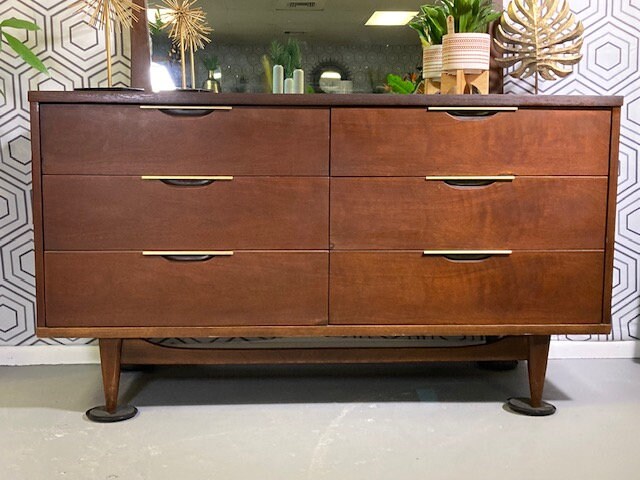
(188,28)
(539,37)
(102,13)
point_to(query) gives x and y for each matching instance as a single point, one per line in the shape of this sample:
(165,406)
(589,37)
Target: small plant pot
(470,52)
(432,62)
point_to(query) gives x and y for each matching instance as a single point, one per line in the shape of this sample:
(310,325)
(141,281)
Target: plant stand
(432,86)
(465,81)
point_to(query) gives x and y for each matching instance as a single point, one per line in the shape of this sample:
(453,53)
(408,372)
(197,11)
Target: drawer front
(129,213)
(411,213)
(412,289)
(129,289)
(414,142)
(127,140)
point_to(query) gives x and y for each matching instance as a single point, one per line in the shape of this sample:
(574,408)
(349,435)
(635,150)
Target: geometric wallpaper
(610,66)
(74,53)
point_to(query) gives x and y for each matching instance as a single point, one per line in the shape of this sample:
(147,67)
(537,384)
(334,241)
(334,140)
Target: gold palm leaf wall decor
(187,28)
(539,37)
(102,13)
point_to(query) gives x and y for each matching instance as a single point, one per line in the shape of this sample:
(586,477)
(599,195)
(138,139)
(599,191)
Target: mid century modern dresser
(202,215)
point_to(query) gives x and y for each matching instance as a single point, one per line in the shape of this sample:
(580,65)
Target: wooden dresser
(202,215)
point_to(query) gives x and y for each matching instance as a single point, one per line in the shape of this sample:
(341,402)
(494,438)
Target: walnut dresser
(201,215)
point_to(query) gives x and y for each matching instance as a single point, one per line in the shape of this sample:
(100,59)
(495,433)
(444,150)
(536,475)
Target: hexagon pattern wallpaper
(74,53)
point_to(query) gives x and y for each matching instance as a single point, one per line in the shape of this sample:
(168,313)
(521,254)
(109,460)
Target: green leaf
(24,53)
(398,85)
(21,24)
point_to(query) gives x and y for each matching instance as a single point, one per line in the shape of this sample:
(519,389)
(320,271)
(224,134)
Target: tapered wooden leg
(537,366)
(110,352)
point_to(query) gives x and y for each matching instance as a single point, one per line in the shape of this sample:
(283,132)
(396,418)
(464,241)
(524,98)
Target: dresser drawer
(129,213)
(412,213)
(129,289)
(413,289)
(129,140)
(415,142)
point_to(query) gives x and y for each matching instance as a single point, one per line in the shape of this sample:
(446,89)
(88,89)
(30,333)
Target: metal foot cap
(522,405)
(100,414)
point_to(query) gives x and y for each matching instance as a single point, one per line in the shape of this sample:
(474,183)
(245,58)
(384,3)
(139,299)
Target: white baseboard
(49,355)
(568,349)
(88,354)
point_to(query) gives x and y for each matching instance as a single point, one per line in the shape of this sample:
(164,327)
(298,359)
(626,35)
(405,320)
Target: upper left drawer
(130,140)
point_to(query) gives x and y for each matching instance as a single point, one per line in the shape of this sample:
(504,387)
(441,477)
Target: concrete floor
(350,422)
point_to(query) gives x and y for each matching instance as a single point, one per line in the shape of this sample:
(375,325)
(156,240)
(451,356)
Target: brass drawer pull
(471,180)
(466,255)
(472,111)
(182,256)
(188,181)
(186,110)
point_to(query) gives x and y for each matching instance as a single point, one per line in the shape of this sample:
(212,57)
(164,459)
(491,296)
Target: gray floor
(375,422)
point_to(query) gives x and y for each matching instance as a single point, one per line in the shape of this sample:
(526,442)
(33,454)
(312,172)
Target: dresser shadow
(438,382)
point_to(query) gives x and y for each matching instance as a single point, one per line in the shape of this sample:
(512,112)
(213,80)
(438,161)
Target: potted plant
(431,25)
(469,47)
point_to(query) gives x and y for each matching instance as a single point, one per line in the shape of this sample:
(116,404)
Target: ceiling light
(381,18)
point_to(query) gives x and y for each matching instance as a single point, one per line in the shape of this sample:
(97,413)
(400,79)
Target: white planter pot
(466,51)
(432,61)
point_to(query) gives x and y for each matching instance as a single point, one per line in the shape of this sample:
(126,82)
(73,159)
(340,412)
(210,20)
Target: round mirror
(331,77)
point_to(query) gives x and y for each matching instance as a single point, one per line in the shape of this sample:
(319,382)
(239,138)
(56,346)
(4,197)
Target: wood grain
(409,288)
(325,330)
(411,213)
(365,142)
(537,367)
(611,215)
(127,289)
(110,355)
(126,140)
(38,227)
(351,100)
(127,213)
(145,353)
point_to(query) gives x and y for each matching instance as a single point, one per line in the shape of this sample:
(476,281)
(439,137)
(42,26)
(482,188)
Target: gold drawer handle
(466,255)
(470,180)
(186,256)
(188,180)
(472,109)
(184,107)
(472,112)
(186,110)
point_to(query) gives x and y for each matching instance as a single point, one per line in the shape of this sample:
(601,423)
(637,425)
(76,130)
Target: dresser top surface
(319,100)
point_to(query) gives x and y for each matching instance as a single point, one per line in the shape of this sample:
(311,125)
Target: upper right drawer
(417,142)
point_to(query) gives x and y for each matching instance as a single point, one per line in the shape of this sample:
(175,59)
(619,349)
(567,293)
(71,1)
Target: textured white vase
(432,61)
(466,51)
(298,81)
(288,85)
(278,79)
